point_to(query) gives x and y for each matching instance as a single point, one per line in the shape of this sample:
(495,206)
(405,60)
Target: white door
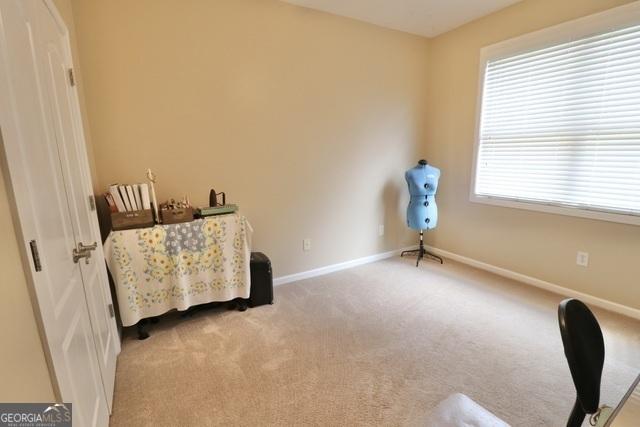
(48,173)
(52,53)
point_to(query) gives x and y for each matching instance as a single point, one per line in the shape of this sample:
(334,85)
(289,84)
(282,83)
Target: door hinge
(72,77)
(111,312)
(92,203)
(35,255)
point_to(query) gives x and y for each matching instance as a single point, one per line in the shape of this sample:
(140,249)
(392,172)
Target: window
(559,119)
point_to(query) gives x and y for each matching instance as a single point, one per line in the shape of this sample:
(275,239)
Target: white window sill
(559,210)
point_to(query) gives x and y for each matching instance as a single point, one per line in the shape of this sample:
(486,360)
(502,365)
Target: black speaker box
(261,280)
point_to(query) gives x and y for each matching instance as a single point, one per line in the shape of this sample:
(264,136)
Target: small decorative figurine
(152,181)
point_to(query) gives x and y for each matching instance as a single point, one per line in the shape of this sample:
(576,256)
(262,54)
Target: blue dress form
(422,212)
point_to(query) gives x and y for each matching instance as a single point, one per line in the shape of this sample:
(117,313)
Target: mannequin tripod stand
(421,252)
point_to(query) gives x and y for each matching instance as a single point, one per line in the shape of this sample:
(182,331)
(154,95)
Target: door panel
(55,63)
(75,347)
(41,168)
(54,225)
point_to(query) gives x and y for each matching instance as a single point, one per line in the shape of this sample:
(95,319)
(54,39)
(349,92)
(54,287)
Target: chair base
(577,415)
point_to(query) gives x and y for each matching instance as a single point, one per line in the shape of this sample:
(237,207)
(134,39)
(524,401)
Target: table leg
(241,304)
(142,333)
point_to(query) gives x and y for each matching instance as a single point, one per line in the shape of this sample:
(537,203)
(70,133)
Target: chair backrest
(584,349)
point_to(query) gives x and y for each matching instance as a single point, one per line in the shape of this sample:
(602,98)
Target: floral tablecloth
(179,265)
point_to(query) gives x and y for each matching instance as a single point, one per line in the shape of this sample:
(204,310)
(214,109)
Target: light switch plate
(582,259)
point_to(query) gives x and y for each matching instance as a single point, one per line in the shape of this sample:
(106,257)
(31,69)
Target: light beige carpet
(380,344)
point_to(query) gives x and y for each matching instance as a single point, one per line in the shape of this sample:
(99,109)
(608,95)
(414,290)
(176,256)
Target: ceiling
(423,17)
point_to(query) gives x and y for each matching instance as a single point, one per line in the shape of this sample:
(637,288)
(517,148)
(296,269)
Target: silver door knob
(78,254)
(91,247)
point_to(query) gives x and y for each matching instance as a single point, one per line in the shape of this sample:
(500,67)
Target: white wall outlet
(306,245)
(582,259)
(381,230)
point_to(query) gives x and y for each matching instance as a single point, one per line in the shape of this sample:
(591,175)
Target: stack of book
(128,198)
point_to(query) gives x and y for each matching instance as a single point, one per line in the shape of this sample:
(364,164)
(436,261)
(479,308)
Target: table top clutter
(176,266)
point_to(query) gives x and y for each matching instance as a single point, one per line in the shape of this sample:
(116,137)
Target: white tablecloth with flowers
(179,265)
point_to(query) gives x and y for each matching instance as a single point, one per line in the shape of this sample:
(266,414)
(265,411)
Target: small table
(627,413)
(177,266)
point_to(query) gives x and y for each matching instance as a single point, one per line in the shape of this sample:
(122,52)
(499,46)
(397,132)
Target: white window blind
(560,125)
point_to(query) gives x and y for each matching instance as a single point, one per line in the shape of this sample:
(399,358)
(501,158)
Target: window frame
(602,22)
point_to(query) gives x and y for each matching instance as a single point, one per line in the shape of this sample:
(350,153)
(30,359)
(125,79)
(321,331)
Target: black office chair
(584,349)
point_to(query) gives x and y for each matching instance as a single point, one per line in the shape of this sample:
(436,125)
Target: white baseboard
(586,298)
(336,267)
(538,283)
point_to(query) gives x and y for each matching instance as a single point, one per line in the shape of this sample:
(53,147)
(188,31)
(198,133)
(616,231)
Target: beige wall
(308,120)
(23,368)
(536,244)
(305,119)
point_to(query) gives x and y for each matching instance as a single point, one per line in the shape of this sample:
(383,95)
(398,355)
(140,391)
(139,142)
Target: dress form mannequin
(422,212)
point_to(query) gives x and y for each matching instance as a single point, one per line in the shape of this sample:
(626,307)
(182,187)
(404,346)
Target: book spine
(144,195)
(117,199)
(132,198)
(123,193)
(136,194)
(112,204)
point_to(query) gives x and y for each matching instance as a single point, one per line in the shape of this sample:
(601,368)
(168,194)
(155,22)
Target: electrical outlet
(306,245)
(381,230)
(582,259)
